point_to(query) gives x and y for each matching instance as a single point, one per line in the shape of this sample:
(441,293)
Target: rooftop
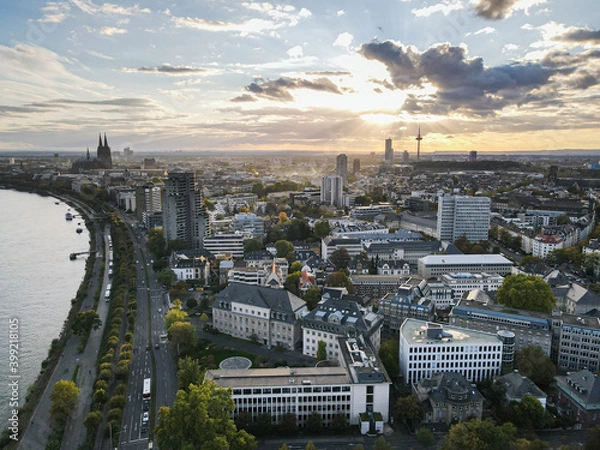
(418,332)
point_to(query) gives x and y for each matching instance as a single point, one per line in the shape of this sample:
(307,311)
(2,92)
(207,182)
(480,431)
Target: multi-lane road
(151,358)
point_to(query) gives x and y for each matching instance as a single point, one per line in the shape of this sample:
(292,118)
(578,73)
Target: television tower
(419,139)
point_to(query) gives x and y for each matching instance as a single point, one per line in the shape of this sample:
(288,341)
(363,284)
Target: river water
(37,283)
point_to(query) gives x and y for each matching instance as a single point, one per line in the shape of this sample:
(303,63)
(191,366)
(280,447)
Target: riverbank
(22,417)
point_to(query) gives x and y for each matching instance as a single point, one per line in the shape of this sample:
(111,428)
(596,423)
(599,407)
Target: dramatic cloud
(244,98)
(445,7)
(579,35)
(461,83)
(279,89)
(501,9)
(167,69)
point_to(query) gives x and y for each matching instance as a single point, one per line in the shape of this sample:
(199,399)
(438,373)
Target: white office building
(226,244)
(461,215)
(427,348)
(438,265)
(462,283)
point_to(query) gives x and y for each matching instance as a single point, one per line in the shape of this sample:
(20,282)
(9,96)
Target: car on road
(159,310)
(146,406)
(144,427)
(157,345)
(146,417)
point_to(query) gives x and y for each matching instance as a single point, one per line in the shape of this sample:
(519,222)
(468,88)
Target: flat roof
(465,259)
(280,377)
(415,333)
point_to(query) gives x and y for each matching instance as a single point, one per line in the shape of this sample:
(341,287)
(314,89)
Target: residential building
(448,398)
(369,212)
(409,301)
(427,348)
(190,266)
(359,387)
(269,316)
(409,251)
(517,386)
(463,216)
(250,225)
(148,200)
(331,190)
(341,168)
(374,286)
(438,265)
(329,245)
(184,215)
(544,244)
(578,397)
(332,319)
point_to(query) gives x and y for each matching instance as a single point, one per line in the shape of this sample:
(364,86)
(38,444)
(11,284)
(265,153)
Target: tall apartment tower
(389,152)
(148,199)
(331,190)
(184,215)
(356,166)
(341,168)
(462,215)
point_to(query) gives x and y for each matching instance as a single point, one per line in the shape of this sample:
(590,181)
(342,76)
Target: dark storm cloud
(279,89)
(579,35)
(494,9)
(461,83)
(167,69)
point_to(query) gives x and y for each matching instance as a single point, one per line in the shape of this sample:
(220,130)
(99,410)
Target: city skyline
(486,75)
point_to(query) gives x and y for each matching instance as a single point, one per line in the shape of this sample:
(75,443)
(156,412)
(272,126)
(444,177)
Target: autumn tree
(312,297)
(182,335)
(339,279)
(291,283)
(85,322)
(201,418)
(190,372)
(63,401)
(283,248)
(526,292)
(175,314)
(321,229)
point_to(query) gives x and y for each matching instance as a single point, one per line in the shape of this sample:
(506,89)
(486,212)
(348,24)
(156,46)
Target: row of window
(453,348)
(290,390)
(298,399)
(453,365)
(452,356)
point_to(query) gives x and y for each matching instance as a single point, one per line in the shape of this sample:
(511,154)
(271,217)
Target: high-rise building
(472,156)
(184,215)
(331,190)
(389,152)
(462,215)
(356,166)
(405,157)
(148,199)
(341,168)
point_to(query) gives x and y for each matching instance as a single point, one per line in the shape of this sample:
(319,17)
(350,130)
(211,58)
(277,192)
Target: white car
(146,417)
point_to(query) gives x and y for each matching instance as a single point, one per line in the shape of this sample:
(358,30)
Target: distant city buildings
(463,216)
(389,152)
(103,159)
(331,190)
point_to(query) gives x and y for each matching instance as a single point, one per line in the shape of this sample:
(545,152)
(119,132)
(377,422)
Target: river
(37,283)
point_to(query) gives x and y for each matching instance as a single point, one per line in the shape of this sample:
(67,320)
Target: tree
(175,314)
(528,259)
(381,444)
(288,426)
(283,248)
(167,278)
(86,321)
(252,245)
(182,335)
(259,189)
(529,413)
(191,303)
(312,297)
(201,415)
(480,434)
(340,279)
(314,423)
(156,243)
(425,437)
(297,230)
(310,446)
(295,267)
(409,409)
(321,229)
(533,363)
(93,420)
(63,401)
(536,444)
(388,353)
(592,441)
(190,372)
(526,292)
(291,283)
(340,258)
(339,423)
(321,351)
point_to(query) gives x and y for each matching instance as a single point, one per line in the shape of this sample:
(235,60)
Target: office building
(438,265)
(462,283)
(341,168)
(427,348)
(463,216)
(356,166)
(359,389)
(579,343)
(389,152)
(184,215)
(331,190)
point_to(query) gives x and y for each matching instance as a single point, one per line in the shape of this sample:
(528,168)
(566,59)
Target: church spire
(99,140)
(105,143)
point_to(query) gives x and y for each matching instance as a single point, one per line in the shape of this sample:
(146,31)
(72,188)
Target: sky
(330,76)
